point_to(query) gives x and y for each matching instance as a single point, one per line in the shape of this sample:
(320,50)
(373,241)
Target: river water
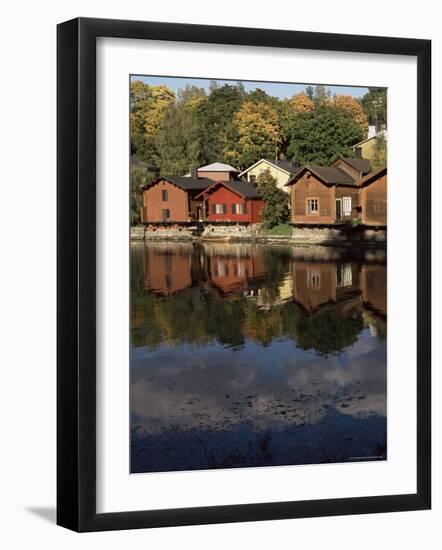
(256,355)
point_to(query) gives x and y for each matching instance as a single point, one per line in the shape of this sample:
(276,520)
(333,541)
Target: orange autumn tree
(301,103)
(350,105)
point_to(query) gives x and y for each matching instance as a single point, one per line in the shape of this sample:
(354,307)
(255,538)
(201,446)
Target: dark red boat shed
(232,201)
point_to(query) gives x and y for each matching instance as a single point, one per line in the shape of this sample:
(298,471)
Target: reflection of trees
(196,316)
(328,332)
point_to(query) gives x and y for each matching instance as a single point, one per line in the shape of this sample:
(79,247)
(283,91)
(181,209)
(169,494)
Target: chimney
(194,172)
(358,153)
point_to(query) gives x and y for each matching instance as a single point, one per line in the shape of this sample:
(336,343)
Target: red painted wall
(222,195)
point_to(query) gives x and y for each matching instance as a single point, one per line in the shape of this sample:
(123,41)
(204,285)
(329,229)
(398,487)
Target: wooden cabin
(232,201)
(173,199)
(373,198)
(323,195)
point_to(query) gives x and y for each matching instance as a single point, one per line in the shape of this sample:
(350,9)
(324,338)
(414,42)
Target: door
(338,209)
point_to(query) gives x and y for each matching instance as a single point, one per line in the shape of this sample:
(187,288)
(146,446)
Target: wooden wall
(153,203)
(311,187)
(373,200)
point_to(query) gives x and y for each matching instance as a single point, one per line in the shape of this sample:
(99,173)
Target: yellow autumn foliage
(301,103)
(349,104)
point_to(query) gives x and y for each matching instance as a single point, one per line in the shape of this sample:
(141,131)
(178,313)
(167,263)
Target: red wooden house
(232,201)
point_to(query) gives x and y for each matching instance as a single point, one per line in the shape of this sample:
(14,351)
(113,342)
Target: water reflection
(247,355)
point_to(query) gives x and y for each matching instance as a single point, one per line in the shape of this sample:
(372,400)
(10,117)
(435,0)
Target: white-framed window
(346,206)
(312,207)
(240,208)
(313,278)
(219,208)
(344,275)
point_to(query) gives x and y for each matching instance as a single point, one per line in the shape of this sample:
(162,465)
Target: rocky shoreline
(343,237)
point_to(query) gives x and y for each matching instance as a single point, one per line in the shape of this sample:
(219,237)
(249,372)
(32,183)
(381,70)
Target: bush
(276,210)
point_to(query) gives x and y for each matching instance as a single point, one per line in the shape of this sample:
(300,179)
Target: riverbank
(343,236)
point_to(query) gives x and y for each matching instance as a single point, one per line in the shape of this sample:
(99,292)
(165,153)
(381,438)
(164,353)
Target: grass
(283,229)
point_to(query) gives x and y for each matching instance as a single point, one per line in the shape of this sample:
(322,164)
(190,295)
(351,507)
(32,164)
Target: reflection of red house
(233,201)
(230,273)
(166,271)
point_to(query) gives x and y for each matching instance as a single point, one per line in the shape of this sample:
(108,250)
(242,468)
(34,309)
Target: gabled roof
(366,180)
(330,175)
(285,165)
(217,167)
(361,165)
(243,188)
(185,183)
(380,133)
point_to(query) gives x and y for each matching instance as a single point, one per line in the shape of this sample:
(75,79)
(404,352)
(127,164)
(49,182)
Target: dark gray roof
(328,174)
(287,165)
(188,184)
(244,188)
(362,165)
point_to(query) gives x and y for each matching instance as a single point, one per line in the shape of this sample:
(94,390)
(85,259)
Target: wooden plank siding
(374,202)
(352,192)
(153,204)
(309,186)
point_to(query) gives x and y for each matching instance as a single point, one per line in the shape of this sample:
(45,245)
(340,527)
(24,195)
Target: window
(219,208)
(313,278)
(252,178)
(346,206)
(166,214)
(344,275)
(164,195)
(239,208)
(312,207)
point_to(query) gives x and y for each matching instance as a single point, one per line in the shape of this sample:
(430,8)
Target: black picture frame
(76,274)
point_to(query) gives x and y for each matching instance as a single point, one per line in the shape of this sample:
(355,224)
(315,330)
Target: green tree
(276,210)
(178,139)
(323,135)
(148,105)
(321,96)
(380,152)
(310,92)
(139,176)
(374,103)
(214,117)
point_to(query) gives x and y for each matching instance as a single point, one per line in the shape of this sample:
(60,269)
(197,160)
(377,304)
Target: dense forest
(230,125)
(172,132)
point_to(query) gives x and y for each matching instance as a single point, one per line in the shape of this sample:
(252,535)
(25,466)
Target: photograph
(258,274)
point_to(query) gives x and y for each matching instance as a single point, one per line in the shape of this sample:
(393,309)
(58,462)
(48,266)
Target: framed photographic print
(243,274)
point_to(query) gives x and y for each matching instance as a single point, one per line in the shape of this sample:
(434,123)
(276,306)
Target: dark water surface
(256,355)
